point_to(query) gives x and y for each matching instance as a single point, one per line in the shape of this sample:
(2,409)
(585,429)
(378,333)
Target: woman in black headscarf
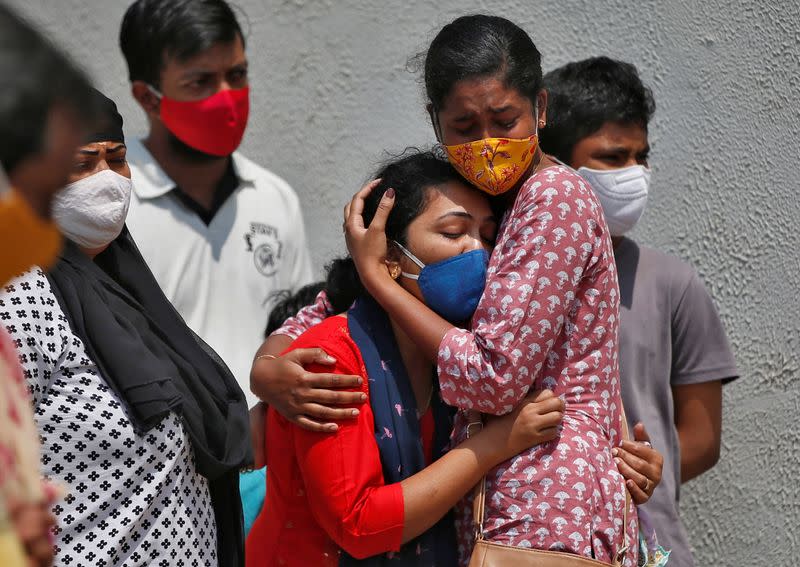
(140,420)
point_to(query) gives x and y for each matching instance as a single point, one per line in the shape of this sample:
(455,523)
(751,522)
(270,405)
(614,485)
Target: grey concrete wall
(331,93)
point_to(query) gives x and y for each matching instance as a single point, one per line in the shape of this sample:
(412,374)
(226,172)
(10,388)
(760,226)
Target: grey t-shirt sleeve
(701,352)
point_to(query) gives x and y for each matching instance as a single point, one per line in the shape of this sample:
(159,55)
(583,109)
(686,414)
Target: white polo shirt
(221,277)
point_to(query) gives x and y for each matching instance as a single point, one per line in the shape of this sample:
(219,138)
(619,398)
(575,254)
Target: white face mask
(622,194)
(91,212)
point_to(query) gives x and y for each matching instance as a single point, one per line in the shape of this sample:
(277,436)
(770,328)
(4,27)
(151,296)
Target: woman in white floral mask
(91,209)
(140,421)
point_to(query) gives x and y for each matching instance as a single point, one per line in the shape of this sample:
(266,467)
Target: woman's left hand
(368,246)
(640,464)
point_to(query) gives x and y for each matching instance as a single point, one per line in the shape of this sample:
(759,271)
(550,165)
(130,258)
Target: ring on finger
(646,485)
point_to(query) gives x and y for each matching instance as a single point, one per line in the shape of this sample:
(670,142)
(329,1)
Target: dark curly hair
(412,176)
(584,95)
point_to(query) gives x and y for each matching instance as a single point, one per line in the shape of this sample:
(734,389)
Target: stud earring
(394,272)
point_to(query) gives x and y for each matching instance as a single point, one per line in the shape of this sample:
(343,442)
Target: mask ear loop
(157,94)
(411,257)
(538,140)
(153,90)
(437,128)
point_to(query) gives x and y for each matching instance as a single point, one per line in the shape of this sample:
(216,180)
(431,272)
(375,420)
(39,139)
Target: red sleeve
(342,472)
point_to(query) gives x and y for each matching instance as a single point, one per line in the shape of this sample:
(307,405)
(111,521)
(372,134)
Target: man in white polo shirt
(220,233)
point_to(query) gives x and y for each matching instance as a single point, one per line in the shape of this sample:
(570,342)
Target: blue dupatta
(397,433)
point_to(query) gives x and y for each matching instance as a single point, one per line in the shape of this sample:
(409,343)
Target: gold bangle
(269,356)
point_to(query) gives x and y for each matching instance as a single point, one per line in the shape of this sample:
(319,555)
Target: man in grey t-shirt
(674,355)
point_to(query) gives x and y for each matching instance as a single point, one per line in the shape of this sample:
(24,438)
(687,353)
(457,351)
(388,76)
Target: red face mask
(213,125)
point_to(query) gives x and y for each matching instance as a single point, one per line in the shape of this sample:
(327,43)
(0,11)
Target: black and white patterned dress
(132,500)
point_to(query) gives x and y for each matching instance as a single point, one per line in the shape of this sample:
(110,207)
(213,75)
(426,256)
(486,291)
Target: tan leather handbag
(488,554)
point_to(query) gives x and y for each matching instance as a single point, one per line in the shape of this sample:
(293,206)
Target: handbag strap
(626,436)
(479,502)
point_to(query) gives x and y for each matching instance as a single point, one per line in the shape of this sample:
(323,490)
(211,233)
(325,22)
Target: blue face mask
(453,286)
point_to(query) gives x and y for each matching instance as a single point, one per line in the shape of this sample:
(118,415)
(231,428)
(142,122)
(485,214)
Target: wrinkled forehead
(483,95)
(109,146)
(630,136)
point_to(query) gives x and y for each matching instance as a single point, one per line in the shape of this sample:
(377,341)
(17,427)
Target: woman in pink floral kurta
(548,319)
(548,316)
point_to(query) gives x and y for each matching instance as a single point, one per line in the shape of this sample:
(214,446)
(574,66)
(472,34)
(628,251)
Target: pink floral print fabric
(307,317)
(548,319)
(19,440)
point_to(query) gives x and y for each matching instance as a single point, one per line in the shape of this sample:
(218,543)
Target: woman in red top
(379,490)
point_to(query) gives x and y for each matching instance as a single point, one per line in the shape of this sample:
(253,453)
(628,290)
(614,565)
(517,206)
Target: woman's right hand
(368,246)
(532,422)
(310,400)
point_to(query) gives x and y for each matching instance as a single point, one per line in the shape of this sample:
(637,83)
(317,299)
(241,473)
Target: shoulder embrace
(332,336)
(558,199)
(555,185)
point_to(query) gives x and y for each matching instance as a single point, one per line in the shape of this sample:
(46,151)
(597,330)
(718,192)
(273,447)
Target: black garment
(157,365)
(224,189)
(401,453)
(107,125)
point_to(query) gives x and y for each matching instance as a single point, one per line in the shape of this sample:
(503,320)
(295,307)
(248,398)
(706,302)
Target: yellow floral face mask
(494,165)
(26,239)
